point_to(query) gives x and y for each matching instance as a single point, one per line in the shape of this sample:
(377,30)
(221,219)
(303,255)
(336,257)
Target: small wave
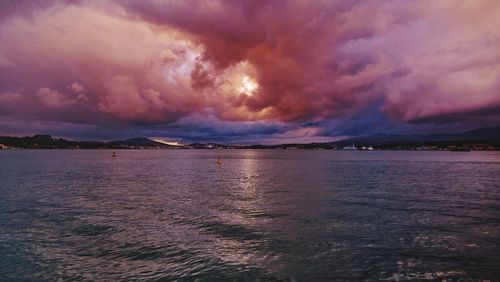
(231,231)
(93,230)
(425,275)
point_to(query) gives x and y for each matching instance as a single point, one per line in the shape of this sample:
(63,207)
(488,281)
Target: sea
(262,215)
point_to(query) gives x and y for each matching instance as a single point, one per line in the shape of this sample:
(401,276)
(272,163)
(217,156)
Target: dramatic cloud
(250,70)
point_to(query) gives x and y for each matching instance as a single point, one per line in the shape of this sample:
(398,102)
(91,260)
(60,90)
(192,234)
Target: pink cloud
(77,87)
(8,97)
(52,98)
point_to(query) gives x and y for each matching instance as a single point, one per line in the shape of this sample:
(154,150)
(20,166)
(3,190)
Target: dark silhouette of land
(478,139)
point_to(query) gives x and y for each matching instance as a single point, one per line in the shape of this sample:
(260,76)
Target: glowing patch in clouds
(248,85)
(238,79)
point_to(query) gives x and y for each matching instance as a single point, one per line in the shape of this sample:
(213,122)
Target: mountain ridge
(479,134)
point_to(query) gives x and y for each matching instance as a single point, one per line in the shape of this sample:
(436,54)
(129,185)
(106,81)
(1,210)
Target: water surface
(268,215)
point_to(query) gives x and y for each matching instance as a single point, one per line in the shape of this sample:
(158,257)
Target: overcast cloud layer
(251,71)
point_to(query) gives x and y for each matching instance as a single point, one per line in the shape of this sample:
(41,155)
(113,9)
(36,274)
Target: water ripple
(263,216)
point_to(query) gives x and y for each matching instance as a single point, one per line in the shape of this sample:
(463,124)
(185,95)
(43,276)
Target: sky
(247,71)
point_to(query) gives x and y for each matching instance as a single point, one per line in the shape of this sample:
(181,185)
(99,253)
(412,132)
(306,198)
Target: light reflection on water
(269,215)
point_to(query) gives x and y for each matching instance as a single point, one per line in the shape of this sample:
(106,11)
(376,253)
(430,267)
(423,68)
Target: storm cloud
(248,70)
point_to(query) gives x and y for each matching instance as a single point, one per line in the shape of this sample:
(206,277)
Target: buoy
(219,161)
(114,154)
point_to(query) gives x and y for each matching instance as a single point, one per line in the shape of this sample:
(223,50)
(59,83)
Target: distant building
(352,147)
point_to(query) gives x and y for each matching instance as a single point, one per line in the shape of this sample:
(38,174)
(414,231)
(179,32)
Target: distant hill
(138,141)
(487,134)
(48,142)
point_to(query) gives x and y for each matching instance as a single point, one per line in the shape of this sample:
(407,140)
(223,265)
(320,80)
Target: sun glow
(248,85)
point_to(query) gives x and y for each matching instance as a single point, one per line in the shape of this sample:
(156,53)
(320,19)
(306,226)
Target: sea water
(262,215)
